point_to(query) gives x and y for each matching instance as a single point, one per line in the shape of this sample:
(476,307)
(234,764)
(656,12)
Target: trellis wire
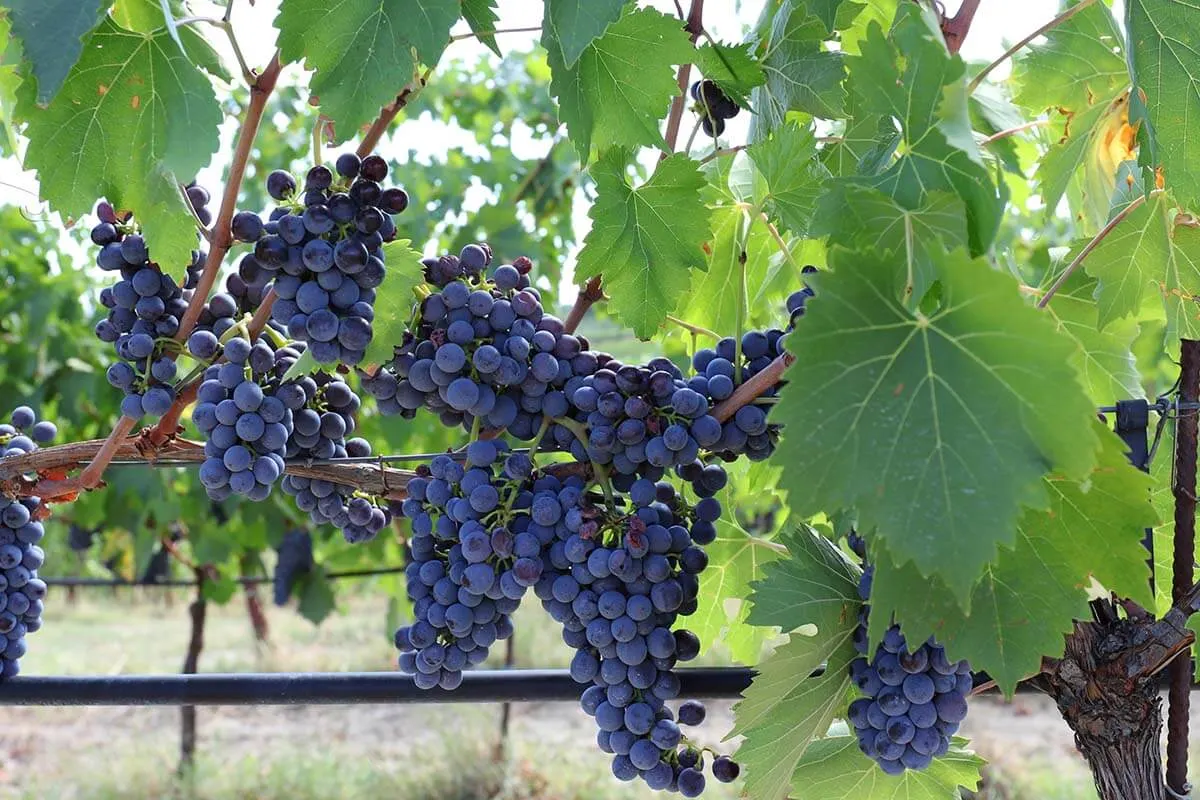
(249,580)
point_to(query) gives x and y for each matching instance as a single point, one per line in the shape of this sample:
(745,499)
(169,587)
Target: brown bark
(191,662)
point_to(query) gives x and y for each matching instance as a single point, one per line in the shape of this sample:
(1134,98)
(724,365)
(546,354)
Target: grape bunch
(478,533)
(245,414)
(295,558)
(323,247)
(21,590)
(324,416)
(617,582)
(483,349)
(915,697)
(717,376)
(713,106)
(640,420)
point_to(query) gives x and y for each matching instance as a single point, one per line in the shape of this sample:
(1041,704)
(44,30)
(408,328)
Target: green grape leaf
(1103,359)
(150,16)
(734,560)
(482,17)
(913,78)
(362,51)
(622,83)
(645,240)
(1058,168)
(10,79)
(572,25)
(304,365)
(1028,599)
(813,593)
(1155,248)
(733,68)
(800,76)
(828,11)
(835,768)
(862,218)
(132,115)
(1164,38)
(918,411)
(316,596)
(793,177)
(394,301)
(1079,62)
(52,34)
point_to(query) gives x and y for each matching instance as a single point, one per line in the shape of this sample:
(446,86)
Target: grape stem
(200,227)
(477,34)
(687,326)
(783,247)
(695,25)
(592,293)
(225,25)
(1010,52)
(749,391)
(723,151)
(388,113)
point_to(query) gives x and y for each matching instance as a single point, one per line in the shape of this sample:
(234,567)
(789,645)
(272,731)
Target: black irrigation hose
(175,582)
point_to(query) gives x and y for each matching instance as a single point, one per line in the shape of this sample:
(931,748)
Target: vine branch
(1010,52)
(388,113)
(956,28)
(592,293)
(695,26)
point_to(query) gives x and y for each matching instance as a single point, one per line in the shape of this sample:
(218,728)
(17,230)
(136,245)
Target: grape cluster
(717,376)
(713,106)
(915,697)
(482,349)
(21,590)
(295,558)
(323,246)
(473,556)
(245,414)
(324,416)
(618,582)
(144,309)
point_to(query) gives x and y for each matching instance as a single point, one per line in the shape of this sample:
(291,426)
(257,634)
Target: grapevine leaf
(734,560)
(52,34)
(1164,38)
(713,298)
(132,115)
(784,710)
(1080,62)
(304,365)
(862,218)
(905,416)
(1028,599)
(394,302)
(733,68)
(800,76)
(150,16)
(1154,248)
(572,25)
(482,17)
(10,79)
(826,11)
(363,50)
(1064,158)
(622,83)
(834,767)
(316,596)
(1103,359)
(645,239)
(914,79)
(793,176)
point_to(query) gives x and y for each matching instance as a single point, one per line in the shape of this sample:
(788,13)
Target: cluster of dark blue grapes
(324,416)
(717,376)
(245,414)
(21,590)
(323,245)
(294,559)
(483,349)
(713,106)
(144,308)
(618,582)
(474,552)
(915,697)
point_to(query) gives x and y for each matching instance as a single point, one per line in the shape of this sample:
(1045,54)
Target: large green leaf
(910,76)
(1164,36)
(714,295)
(792,175)
(734,560)
(834,768)
(1060,166)
(132,115)
(1079,63)
(572,25)
(732,67)
(1103,358)
(362,51)
(52,34)
(645,240)
(937,428)
(1155,249)
(801,76)
(1028,599)
(623,82)
(862,218)
(394,301)
(814,594)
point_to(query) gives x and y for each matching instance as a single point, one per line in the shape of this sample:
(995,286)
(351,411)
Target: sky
(997,24)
